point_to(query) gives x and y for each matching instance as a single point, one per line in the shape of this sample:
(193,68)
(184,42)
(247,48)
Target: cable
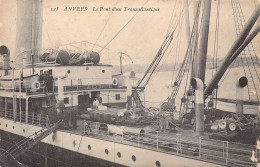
(122,28)
(110,14)
(39,154)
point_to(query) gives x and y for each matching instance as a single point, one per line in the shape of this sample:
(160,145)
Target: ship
(65,108)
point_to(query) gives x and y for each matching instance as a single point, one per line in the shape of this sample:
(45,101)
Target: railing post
(177,143)
(200,142)
(84,127)
(40,119)
(180,144)
(47,121)
(223,145)
(26,109)
(227,154)
(256,153)
(108,131)
(157,140)
(138,140)
(97,128)
(33,118)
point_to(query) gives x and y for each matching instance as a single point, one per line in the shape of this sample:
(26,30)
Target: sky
(140,39)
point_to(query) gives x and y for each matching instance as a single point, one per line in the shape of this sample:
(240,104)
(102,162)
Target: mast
(196,8)
(202,56)
(187,19)
(234,51)
(201,65)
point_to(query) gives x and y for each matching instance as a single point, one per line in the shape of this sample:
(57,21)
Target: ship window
(117,96)
(103,71)
(106,151)
(119,154)
(66,100)
(157,163)
(89,147)
(133,158)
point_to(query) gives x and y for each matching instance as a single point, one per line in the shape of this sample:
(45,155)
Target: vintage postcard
(145,83)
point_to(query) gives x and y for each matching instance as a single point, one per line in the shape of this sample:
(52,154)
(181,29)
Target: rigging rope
(215,56)
(185,60)
(110,14)
(123,27)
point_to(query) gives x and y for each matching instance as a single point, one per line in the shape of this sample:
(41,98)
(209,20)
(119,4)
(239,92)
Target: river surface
(158,89)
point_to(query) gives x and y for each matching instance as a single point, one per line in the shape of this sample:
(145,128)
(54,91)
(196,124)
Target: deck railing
(20,116)
(71,85)
(220,152)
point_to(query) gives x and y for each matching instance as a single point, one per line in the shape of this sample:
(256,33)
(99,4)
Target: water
(157,91)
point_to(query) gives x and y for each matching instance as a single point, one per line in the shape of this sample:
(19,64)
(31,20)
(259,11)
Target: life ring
(222,124)
(115,82)
(232,126)
(36,85)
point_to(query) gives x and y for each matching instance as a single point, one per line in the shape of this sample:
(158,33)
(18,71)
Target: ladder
(248,58)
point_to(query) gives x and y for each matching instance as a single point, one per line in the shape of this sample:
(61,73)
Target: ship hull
(44,154)
(96,148)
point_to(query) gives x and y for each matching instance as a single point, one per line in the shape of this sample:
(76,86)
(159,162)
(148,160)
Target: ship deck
(183,143)
(179,142)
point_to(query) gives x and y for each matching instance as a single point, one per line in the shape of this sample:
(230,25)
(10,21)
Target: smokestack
(29,28)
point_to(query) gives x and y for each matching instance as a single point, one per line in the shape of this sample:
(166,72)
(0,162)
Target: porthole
(133,158)
(68,71)
(13,127)
(23,130)
(89,147)
(119,154)
(157,163)
(5,125)
(106,151)
(103,71)
(87,68)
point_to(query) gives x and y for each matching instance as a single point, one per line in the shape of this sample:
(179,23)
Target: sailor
(96,103)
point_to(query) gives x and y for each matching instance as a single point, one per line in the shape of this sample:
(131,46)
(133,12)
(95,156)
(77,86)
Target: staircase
(248,58)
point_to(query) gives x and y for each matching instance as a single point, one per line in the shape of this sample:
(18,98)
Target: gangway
(26,144)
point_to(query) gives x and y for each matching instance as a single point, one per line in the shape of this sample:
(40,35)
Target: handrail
(220,152)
